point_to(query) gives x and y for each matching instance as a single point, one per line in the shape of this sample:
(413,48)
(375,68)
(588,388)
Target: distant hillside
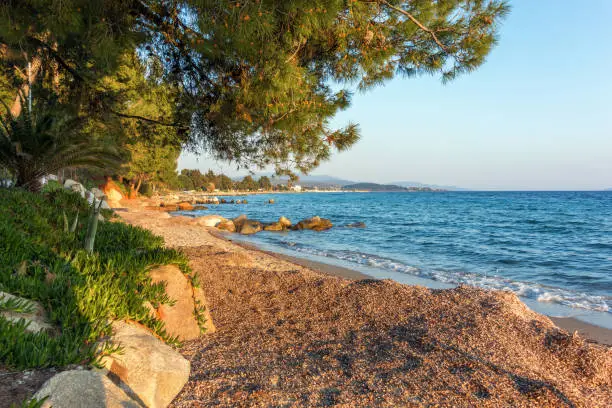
(433,186)
(384,187)
(313,180)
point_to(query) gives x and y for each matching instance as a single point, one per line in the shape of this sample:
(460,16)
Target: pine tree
(256,81)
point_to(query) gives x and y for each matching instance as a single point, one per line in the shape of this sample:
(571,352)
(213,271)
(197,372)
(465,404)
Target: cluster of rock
(245,226)
(147,372)
(95,195)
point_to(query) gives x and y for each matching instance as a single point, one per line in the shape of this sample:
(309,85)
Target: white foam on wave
(529,290)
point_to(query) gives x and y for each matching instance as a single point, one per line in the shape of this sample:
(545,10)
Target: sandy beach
(299,333)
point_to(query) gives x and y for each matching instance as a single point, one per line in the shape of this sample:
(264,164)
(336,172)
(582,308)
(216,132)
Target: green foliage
(51,185)
(16,305)
(80,291)
(254,82)
(31,403)
(44,141)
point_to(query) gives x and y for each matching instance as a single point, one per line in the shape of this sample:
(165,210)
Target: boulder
(99,194)
(208,220)
(149,368)
(185,206)
(36,316)
(238,202)
(238,221)
(111,190)
(250,227)
(314,223)
(75,186)
(179,319)
(284,221)
(223,201)
(81,388)
(276,226)
(227,225)
(271,201)
(245,202)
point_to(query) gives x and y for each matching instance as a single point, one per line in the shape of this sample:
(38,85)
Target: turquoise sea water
(554,249)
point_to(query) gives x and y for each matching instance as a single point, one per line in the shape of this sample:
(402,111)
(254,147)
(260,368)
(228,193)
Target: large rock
(314,223)
(185,206)
(179,319)
(284,221)
(149,368)
(227,225)
(75,186)
(250,227)
(99,194)
(80,388)
(111,190)
(276,226)
(238,221)
(36,317)
(209,220)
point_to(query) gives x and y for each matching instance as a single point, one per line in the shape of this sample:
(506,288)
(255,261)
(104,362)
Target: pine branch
(418,24)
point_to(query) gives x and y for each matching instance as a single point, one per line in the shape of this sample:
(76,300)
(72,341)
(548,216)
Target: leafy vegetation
(80,291)
(44,141)
(254,82)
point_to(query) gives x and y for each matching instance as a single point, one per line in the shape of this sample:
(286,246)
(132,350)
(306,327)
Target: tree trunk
(17,107)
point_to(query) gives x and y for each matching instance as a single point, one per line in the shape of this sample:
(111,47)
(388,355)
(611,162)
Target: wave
(539,292)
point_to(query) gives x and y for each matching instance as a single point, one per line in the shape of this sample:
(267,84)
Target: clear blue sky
(536,116)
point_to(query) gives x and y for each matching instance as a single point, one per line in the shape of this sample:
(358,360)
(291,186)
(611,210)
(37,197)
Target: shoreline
(591,332)
(317,335)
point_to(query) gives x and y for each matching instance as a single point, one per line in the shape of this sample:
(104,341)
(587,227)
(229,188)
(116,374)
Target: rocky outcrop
(32,312)
(179,319)
(238,221)
(150,370)
(250,227)
(111,191)
(227,225)
(75,186)
(314,223)
(285,222)
(80,388)
(185,206)
(276,226)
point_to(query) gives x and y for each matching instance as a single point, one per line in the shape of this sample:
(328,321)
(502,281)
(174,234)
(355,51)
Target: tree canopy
(255,82)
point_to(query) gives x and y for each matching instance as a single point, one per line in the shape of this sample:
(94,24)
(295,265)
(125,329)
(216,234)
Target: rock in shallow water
(250,227)
(314,223)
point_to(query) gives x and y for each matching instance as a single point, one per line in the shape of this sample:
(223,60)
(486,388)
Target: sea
(553,249)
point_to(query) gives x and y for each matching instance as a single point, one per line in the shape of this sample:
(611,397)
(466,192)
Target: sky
(536,116)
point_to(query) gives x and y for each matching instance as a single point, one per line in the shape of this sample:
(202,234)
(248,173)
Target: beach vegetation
(81,291)
(45,140)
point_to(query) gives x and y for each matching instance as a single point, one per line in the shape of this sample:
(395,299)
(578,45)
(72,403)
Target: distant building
(296,188)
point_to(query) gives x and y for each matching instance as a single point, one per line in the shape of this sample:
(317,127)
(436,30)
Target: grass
(80,292)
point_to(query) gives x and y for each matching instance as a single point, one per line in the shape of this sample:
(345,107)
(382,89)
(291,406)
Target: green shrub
(81,292)
(52,185)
